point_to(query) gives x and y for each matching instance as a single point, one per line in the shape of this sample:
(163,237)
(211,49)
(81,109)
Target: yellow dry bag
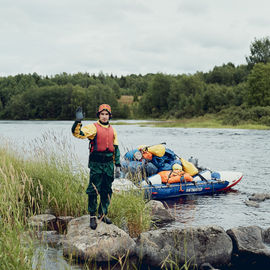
(156,150)
(189,167)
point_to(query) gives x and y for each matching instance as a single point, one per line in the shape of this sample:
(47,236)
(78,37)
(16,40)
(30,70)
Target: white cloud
(127,36)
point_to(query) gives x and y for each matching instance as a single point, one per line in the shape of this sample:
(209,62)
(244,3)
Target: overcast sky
(127,36)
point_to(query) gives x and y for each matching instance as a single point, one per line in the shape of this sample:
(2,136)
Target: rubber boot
(93,222)
(104,219)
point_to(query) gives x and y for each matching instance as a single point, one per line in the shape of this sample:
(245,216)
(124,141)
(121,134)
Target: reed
(16,248)
(52,184)
(33,180)
(130,212)
(46,175)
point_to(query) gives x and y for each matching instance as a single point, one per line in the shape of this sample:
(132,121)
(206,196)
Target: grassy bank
(31,181)
(46,175)
(206,121)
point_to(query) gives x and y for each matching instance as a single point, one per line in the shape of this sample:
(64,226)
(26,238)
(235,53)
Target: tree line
(233,93)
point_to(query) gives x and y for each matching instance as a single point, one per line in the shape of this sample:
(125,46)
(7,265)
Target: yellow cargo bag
(189,167)
(156,150)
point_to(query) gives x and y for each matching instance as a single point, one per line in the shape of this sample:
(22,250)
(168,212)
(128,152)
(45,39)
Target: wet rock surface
(204,247)
(42,222)
(160,215)
(104,244)
(62,223)
(52,238)
(193,245)
(251,246)
(252,204)
(259,197)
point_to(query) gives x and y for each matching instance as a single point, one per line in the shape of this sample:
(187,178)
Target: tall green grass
(129,211)
(51,181)
(47,175)
(14,252)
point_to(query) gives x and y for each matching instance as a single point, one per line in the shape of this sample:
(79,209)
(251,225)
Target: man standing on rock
(104,153)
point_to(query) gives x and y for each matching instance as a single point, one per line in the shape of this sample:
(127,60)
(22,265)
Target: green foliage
(227,74)
(10,86)
(36,97)
(259,52)
(155,95)
(215,98)
(41,103)
(123,111)
(60,102)
(29,187)
(45,172)
(184,98)
(240,93)
(46,175)
(208,121)
(259,85)
(246,114)
(14,254)
(133,84)
(154,102)
(129,210)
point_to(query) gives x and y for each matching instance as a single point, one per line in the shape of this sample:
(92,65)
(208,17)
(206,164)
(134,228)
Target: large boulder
(62,222)
(106,243)
(42,222)
(193,246)
(159,214)
(250,246)
(259,197)
(266,236)
(51,238)
(122,184)
(252,203)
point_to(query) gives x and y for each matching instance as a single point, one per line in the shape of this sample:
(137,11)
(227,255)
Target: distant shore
(207,121)
(195,122)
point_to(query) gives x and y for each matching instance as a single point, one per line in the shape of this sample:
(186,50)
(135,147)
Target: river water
(247,151)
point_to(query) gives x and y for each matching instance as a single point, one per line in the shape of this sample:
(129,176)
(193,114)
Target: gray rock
(104,244)
(259,197)
(62,222)
(249,245)
(207,266)
(266,236)
(159,213)
(49,211)
(42,222)
(252,204)
(122,184)
(193,246)
(52,238)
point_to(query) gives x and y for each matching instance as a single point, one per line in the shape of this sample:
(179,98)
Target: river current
(247,151)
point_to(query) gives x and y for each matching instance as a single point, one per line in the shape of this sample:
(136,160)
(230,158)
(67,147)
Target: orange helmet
(105,107)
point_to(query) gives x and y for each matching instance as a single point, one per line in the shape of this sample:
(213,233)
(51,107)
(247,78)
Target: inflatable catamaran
(165,175)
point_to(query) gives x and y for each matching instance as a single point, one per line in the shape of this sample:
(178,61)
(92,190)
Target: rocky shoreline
(200,247)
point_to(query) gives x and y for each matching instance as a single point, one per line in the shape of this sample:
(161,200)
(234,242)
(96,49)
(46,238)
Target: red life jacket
(103,140)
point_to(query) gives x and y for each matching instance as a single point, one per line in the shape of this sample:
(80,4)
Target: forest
(232,93)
